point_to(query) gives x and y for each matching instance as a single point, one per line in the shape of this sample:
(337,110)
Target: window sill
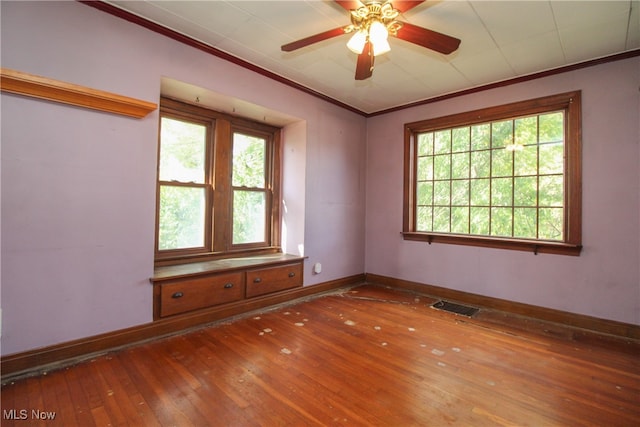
(194,269)
(536,247)
(173,259)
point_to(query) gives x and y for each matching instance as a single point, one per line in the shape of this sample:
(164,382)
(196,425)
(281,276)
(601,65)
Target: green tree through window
(218,184)
(506,176)
(249,191)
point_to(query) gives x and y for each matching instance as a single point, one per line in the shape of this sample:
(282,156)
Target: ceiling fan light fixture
(381,47)
(357,41)
(372,22)
(378,32)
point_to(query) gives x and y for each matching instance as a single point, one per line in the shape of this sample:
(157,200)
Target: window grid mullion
(469,182)
(513,181)
(490,178)
(433,181)
(450,178)
(538,177)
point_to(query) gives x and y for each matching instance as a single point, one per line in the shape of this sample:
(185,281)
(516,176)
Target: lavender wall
(605,280)
(78,186)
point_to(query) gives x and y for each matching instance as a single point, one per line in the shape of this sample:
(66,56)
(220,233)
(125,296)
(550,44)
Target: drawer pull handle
(257,280)
(292,274)
(228,285)
(177,295)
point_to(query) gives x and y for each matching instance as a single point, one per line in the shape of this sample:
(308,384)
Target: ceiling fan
(371,23)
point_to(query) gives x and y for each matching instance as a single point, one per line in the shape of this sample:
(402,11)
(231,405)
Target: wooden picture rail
(54,90)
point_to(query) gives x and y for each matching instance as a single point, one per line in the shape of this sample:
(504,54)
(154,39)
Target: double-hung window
(218,185)
(506,177)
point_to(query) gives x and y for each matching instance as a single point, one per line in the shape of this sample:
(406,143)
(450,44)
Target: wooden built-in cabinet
(272,279)
(197,286)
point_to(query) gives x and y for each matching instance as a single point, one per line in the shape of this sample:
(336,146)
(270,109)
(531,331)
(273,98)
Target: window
(218,184)
(506,177)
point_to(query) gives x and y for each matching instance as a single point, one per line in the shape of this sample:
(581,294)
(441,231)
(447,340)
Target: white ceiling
(501,40)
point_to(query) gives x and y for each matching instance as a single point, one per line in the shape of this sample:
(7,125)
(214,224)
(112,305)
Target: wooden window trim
(572,244)
(218,239)
(26,84)
(210,129)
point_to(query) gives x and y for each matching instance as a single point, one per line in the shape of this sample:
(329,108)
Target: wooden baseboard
(588,323)
(55,356)
(46,358)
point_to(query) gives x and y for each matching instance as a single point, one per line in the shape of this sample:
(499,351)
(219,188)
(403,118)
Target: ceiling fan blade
(350,4)
(403,6)
(313,39)
(427,38)
(364,66)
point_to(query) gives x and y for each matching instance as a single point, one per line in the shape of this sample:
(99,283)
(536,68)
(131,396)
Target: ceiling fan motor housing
(363,17)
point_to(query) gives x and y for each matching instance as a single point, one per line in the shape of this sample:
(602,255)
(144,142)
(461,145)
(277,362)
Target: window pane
(501,133)
(480,136)
(442,193)
(441,219)
(524,223)
(248,217)
(525,161)
(480,195)
(551,158)
(479,221)
(442,167)
(425,168)
(460,193)
(551,224)
(443,141)
(425,144)
(526,130)
(460,165)
(551,191)
(501,162)
(501,222)
(480,164)
(182,151)
(425,193)
(525,191)
(425,217)
(551,127)
(460,139)
(249,154)
(501,191)
(182,217)
(460,220)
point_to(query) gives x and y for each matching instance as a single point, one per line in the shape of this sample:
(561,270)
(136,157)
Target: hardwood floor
(368,356)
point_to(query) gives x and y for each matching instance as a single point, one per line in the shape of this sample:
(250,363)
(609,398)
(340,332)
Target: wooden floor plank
(367,356)
(79,398)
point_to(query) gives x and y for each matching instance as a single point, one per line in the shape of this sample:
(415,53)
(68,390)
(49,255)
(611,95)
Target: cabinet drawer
(272,279)
(192,294)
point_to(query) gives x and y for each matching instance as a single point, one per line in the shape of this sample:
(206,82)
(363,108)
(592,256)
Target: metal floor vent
(463,310)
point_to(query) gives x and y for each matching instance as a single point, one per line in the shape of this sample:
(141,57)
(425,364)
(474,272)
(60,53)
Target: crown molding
(128,16)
